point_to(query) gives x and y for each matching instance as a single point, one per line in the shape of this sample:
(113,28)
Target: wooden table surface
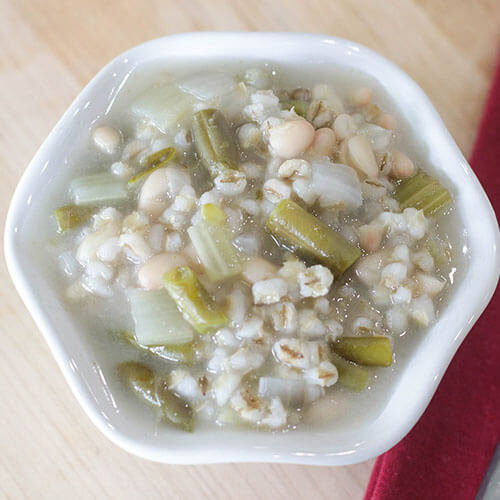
(50,50)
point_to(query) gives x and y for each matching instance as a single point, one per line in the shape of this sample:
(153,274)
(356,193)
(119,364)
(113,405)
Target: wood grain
(50,49)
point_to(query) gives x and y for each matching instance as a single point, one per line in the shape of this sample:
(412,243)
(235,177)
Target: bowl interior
(79,360)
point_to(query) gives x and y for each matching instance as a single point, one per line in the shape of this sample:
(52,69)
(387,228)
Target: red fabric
(447,453)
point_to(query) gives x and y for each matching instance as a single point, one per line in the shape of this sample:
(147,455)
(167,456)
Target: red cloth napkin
(447,453)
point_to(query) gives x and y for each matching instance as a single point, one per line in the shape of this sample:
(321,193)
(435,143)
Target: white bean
(402,166)
(291,138)
(106,138)
(344,126)
(151,273)
(324,142)
(361,156)
(152,198)
(361,96)
(387,121)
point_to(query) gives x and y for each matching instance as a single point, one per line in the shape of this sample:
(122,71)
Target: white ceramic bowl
(418,381)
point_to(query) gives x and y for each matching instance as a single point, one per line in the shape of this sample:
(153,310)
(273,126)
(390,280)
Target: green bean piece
(299,106)
(140,379)
(197,307)
(301,232)
(214,141)
(173,408)
(351,375)
(155,391)
(71,216)
(423,192)
(166,156)
(369,351)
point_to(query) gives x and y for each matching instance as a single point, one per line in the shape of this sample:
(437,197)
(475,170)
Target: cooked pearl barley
(284,318)
(293,169)
(430,285)
(258,269)
(422,310)
(324,375)
(315,281)
(252,329)
(107,139)
(269,291)
(344,126)
(150,274)
(135,242)
(310,326)
(225,385)
(361,96)
(249,135)
(174,242)
(230,182)
(291,138)
(402,166)
(322,305)
(370,237)
(121,169)
(333,329)
(324,142)
(393,274)
(295,353)
(361,156)
(276,190)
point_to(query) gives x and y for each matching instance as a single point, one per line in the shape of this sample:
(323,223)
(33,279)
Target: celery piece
(423,192)
(157,320)
(300,107)
(173,408)
(164,104)
(214,141)
(213,243)
(350,375)
(98,188)
(370,351)
(299,231)
(200,178)
(71,216)
(153,162)
(193,300)
(440,252)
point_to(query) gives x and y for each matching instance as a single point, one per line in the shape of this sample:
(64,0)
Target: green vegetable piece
(174,408)
(301,232)
(369,351)
(142,381)
(154,162)
(200,178)
(213,243)
(71,216)
(193,300)
(350,375)
(299,106)
(440,252)
(98,188)
(423,192)
(214,141)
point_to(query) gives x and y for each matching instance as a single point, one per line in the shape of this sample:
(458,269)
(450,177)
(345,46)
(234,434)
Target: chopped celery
(300,231)
(193,300)
(157,320)
(440,251)
(300,107)
(200,178)
(154,162)
(98,188)
(350,375)
(155,391)
(214,141)
(370,351)
(71,216)
(423,192)
(213,243)
(164,104)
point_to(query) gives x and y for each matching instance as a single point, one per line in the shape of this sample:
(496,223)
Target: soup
(254,246)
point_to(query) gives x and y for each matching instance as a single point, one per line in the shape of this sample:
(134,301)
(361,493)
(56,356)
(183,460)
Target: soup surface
(255,246)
